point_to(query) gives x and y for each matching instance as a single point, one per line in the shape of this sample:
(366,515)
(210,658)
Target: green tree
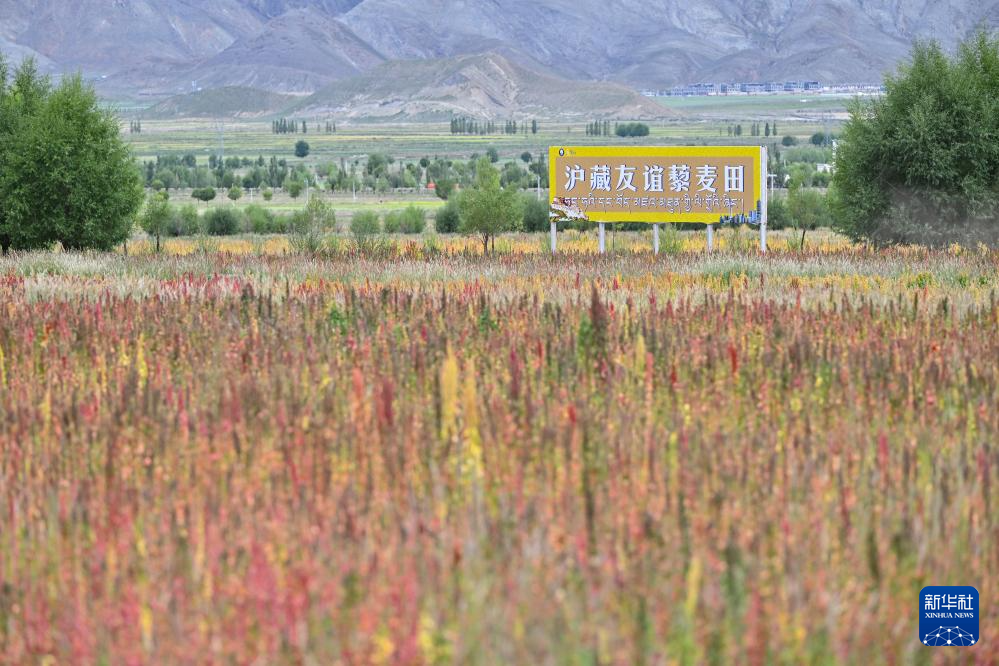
(268,194)
(488,209)
(157,218)
(920,164)
(632,130)
(806,210)
(445,188)
(492,154)
(789,141)
(294,188)
(235,193)
(65,174)
(302,148)
(203,194)
(309,226)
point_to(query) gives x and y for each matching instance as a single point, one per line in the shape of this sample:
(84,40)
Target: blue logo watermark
(948,616)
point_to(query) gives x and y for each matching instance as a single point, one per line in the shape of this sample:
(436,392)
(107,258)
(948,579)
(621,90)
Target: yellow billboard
(668,184)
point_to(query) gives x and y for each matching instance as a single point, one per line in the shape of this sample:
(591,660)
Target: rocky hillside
(164,46)
(480,86)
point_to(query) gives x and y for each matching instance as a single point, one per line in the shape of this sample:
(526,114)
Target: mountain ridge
(163,47)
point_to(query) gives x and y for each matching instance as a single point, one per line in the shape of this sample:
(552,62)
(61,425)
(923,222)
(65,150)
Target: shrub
(365,224)
(536,213)
(204,194)
(309,225)
(259,220)
(670,240)
(222,222)
(632,129)
(186,222)
(393,222)
(448,218)
(268,194)
(789,141)
(414,220)
(777,216)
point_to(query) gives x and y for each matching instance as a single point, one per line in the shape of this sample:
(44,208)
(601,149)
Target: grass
(428,456)
(412,141)
(764,106)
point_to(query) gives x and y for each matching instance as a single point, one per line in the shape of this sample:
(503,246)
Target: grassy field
(767,107)
(231,453)
(410,141)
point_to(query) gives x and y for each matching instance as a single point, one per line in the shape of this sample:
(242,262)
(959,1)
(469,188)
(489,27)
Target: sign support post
(655,239)
(711,237)
(764,165)
(553,237)
(603,239)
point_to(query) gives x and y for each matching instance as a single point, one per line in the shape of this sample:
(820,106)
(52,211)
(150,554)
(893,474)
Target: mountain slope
(657,43)
(226,102)
(482,86)
(161,46)
(300,51)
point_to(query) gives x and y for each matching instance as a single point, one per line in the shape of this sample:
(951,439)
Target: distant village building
(762,88)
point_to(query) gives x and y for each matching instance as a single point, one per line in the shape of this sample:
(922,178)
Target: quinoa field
(426,456)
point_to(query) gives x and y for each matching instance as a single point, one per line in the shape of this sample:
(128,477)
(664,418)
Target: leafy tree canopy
(66,176)
(921,163)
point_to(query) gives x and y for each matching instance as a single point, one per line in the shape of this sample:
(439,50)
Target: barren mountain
(300,51)
(162,46)
(656,43)
(481,86)
(230,101)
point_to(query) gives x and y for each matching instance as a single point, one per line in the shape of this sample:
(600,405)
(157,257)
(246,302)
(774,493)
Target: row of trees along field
(755,129)
(919,164)
(623,130)
(288,126)
(463,125)
(379,173)
(485,209)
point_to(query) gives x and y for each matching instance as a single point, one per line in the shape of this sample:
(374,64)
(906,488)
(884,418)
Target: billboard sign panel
(702,184)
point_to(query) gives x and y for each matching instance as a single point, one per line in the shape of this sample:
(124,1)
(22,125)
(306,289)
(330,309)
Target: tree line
(472,126)
(624,130)
(289,126)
